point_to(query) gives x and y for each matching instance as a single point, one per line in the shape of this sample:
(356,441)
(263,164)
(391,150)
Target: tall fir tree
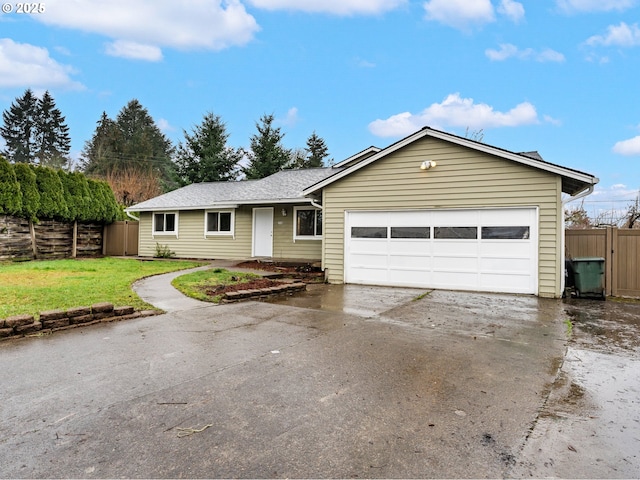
(19,129)
(53,142)
(312,156)
(132,141)
(267,155)
(205,156)
(35,131)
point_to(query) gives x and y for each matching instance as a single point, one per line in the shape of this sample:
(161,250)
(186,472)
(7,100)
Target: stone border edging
(54,320)
(285,288)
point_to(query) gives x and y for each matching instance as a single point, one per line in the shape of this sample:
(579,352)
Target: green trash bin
(589,276)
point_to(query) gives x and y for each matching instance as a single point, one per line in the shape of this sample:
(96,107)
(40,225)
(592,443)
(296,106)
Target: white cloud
(25,65)
(291,118)
(164,125)
(133,50)
(629,147)
(460,13)
(454,111)
(571,6)
(511,9)
(335,7)
(622,35)
(197,24)
(508,50)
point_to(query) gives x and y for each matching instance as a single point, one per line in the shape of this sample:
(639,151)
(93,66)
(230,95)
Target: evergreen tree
(317,151)
(53,142)
(19,129)
(132,141)
(100,155)
(52,202)
(30,196)
(204,156)
(312,156)
(10,195)
(267,155)
(76,194)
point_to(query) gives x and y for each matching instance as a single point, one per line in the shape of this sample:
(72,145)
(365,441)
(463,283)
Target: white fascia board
(523,159)
(182,209)
(382,153)
(426,131)
(371,149)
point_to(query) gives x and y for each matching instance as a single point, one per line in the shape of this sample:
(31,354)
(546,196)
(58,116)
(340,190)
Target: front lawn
(33,287)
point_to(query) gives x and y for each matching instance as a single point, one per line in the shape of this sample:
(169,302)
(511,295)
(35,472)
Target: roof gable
(573,181)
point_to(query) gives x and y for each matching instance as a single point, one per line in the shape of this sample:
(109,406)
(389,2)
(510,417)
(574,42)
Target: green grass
(196,284)
(33,287)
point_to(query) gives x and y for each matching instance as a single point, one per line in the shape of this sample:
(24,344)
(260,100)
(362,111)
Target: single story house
(433,210)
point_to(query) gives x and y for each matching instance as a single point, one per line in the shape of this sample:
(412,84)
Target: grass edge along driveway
(41,285)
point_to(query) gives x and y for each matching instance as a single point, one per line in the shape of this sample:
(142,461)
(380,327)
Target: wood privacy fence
(620,249)
(121,238)
(49,239)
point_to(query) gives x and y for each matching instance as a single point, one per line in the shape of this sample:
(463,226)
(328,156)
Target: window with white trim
(219,222)
(307,223)
(165,223)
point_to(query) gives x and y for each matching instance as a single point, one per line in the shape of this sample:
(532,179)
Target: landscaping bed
(305,272)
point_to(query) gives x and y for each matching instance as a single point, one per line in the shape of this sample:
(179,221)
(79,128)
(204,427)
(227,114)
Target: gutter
(137,219)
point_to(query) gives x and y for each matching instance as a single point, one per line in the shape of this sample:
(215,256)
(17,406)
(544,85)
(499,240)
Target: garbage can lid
(588,259)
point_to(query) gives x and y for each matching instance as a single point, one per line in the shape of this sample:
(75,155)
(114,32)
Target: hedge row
(37,192)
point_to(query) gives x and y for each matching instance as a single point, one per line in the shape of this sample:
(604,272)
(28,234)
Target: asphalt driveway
(342,382)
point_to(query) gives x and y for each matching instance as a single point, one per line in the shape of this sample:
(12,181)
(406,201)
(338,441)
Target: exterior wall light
(427,164)
(284,212)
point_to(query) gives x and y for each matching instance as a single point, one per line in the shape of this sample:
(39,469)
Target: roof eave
(427,131)
(225,205)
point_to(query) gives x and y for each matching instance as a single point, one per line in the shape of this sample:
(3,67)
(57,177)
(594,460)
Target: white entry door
(262,232)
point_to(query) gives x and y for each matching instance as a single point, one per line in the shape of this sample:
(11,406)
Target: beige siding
(192,243)
(463,178)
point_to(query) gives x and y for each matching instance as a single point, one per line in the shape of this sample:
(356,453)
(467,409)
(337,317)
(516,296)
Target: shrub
(52,202)
(10,195)
(30,196)
(163,251)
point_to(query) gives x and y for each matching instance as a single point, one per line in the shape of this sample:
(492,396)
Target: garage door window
(410,232)
(368,232)
(505,233)
(452,233)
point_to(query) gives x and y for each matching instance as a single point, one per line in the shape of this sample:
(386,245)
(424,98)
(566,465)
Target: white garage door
(489,250)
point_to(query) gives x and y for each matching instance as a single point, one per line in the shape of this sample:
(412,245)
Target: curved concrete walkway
(158,291)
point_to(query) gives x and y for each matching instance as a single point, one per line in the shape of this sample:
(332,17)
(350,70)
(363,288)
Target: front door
(263,232)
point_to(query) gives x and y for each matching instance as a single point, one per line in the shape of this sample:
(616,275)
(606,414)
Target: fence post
(613,247)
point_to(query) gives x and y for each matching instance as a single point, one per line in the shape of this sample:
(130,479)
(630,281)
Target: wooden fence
(48,239)
(620,249)
(121,239)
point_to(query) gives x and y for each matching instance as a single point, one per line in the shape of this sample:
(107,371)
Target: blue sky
(557,76)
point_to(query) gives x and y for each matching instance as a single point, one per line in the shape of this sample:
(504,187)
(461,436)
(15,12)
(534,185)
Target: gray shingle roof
(283,186)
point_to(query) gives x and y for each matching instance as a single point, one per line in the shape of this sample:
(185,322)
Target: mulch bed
(303,272)
(251,285)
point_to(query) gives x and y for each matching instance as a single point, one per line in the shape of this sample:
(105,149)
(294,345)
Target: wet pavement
(590,425)
(340,382)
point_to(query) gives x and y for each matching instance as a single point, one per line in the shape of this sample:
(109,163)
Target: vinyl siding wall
(191,241)
(463,178)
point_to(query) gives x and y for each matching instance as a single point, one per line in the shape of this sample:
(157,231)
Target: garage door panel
(502,258)
(419,262)
(359,247)
(409,277)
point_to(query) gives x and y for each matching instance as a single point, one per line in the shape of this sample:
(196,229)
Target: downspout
(137,219)
(317,205)
(582,194)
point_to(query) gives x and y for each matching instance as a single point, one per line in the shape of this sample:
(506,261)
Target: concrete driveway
(341,382)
